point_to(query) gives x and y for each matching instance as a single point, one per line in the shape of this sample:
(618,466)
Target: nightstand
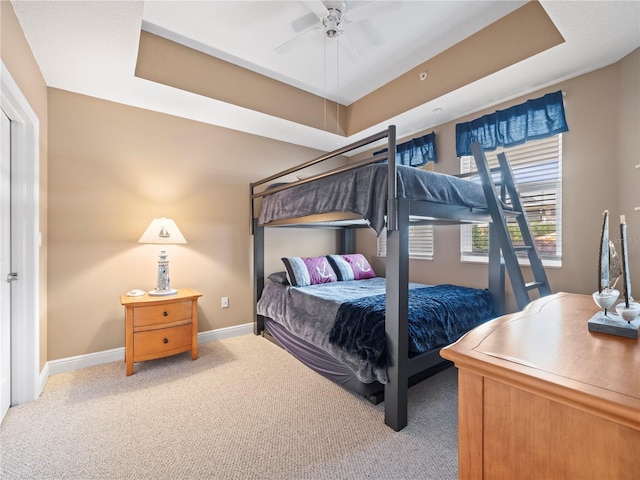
(157,327)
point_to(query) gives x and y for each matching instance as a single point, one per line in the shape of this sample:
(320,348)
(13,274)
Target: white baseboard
(226,332)
(78,362)
(42,379)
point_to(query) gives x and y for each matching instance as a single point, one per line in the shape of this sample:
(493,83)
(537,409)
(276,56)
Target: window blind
(420,242)
(537,169)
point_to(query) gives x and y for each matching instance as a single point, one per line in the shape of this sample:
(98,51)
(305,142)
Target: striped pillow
(303,271)
(351,267)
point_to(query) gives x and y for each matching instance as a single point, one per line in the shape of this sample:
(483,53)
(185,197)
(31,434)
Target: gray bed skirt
(321,361)
(336,371)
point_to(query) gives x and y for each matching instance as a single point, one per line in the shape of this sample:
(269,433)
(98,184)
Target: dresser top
(549,347)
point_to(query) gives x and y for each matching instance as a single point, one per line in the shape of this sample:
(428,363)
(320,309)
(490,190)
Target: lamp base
(159,293)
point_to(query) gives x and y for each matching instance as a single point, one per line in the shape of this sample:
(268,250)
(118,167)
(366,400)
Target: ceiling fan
(331,17)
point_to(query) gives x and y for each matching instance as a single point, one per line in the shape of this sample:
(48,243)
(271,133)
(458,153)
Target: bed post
(397,293)
(392,180)
(396,324)
(345,241)
(258,273)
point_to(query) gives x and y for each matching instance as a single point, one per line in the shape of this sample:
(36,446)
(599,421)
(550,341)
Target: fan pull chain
(338,88)
(324,47)
(637,209)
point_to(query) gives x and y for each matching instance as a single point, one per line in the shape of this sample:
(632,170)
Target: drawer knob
(165,314)
(165,340)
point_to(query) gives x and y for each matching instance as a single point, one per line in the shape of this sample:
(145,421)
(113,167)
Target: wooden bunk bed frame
(401,212)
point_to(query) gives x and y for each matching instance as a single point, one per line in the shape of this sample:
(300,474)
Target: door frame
(25,241)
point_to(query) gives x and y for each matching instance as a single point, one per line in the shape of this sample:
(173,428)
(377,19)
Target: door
(5,264)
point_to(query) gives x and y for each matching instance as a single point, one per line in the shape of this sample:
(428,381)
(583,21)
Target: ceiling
(91,47)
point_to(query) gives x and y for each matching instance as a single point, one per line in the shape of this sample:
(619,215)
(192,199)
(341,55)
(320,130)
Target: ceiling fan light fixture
(332,22)
(331,17)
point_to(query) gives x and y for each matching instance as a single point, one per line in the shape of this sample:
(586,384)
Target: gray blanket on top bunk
(311,313)
(364,192)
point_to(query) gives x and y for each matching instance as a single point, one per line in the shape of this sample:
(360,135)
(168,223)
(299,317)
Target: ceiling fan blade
(299,39)
(317,7)
(358,11)
(304,22)
(369,32)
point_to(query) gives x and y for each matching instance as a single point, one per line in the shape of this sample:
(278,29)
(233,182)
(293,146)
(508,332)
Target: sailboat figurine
(609,272)
(608,269)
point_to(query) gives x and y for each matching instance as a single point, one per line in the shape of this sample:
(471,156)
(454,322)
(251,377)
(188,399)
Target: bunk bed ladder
(499,216)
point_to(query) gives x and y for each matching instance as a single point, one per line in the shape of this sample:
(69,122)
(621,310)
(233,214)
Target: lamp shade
(162,230)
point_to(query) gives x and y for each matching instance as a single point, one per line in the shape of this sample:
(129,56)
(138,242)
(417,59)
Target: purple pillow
(351,267)
(303,271)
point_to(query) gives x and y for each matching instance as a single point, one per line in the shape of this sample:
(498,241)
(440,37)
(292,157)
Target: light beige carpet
(245,409)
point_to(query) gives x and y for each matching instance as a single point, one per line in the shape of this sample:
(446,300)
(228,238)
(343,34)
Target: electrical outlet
(224,302)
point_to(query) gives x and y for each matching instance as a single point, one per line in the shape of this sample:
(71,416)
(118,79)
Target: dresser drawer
(161,342)
(158,314)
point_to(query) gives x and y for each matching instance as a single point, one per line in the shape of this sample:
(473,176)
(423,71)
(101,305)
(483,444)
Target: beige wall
(169,63)
(628,156)
(113,168)
(18,59)
(599,155)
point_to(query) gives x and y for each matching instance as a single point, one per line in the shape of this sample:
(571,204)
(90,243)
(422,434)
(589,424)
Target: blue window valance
(537,118)
(416,152)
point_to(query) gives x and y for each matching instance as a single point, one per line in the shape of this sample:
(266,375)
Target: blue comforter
(438,316)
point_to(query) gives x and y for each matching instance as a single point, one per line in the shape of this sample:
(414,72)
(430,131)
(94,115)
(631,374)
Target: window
(537,168)
(420,242)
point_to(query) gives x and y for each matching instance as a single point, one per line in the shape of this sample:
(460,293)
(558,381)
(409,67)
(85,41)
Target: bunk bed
(388,195)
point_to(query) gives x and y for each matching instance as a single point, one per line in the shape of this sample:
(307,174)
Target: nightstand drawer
(158,314)
(162,342)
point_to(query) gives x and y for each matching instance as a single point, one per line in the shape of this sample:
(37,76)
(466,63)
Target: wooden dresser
(542,397)
(160,326)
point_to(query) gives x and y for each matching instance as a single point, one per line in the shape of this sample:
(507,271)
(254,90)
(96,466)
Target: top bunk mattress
(364,191)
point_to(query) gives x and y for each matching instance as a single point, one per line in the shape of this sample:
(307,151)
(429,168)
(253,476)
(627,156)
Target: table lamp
(162,231)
